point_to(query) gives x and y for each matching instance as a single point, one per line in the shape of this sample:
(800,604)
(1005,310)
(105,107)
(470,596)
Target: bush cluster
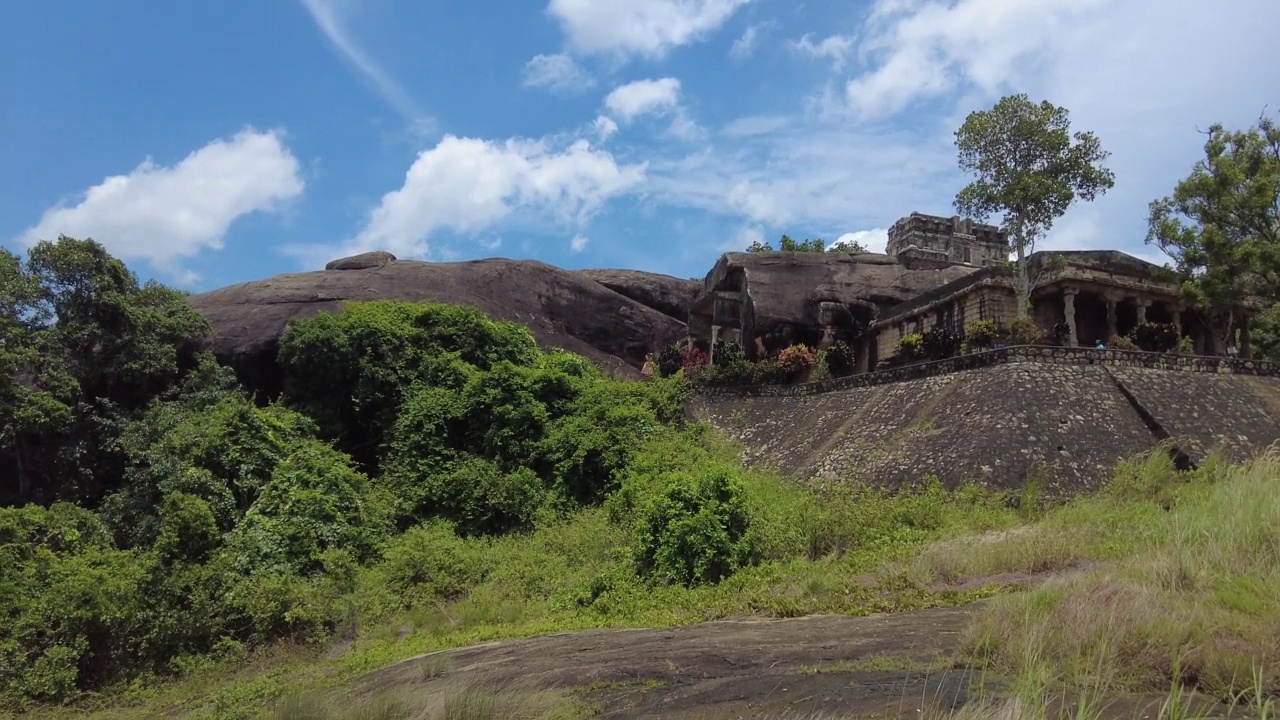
(1155,337)
(981,334)
(940,342)
(199,524)
(911,347)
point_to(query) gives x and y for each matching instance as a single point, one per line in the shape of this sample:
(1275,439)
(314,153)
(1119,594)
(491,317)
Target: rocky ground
(888,666)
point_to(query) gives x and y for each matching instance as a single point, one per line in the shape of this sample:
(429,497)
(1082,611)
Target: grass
(1162,582)
(1190,595)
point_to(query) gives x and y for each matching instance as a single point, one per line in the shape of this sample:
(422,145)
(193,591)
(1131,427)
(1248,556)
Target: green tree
(351,371)
(814,245)
(1221,225)
(1030,168)
(85,348)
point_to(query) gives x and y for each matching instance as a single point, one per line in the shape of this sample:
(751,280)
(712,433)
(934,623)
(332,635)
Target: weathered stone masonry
(997,417)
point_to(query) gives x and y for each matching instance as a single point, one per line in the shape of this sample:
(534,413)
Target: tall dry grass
(1193,599)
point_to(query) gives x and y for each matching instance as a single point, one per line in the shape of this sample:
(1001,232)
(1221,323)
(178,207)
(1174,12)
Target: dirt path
(878,666)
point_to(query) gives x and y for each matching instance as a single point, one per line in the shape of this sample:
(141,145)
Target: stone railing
(1041,354)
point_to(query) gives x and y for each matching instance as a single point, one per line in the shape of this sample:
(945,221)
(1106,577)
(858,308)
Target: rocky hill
(613,317)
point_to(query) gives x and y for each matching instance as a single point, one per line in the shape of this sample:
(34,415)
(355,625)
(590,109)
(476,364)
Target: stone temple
(939,270)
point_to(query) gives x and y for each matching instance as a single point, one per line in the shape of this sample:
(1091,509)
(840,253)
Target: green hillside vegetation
(430,478)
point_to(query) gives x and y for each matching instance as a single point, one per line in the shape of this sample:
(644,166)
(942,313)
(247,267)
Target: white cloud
(924,49)
(746,44)
(685,128)
(640,27)
(643,97)
(753,125)
(835,49)
(467,184)
(868,169)
(557,73)
(328,18)
(743,238)
(874,240)
(164,214)
(605,127)
(578,243)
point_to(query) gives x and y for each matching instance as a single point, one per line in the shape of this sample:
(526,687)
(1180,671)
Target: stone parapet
(1051,355)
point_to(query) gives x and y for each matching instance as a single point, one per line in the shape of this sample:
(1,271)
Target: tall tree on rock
(1029,168)
(1221,226)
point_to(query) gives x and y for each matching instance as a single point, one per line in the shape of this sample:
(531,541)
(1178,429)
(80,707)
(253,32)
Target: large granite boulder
(668,295)
(561,308)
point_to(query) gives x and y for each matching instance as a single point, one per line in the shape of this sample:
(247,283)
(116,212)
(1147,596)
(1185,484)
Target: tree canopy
(86,347)
(815,245)
(1029,168)
(1221,225)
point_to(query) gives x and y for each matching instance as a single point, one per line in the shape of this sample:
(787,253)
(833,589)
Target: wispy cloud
(835,49)
(557,73)
(327,15)
(746,44)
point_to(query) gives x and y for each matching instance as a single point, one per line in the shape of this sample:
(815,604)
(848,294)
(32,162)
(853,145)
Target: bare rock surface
(668,295)
(561,308)
(900,665)
(877,666)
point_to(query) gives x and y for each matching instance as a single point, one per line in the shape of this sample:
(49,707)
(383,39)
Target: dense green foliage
(85,349)
(1029,168)
(203,523)
(1221,225)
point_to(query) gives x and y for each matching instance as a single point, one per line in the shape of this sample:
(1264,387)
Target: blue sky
(217,142)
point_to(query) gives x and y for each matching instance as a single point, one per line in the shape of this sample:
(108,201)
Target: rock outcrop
(668,295)
(561,308)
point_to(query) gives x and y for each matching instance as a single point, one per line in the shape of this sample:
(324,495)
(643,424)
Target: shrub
(670,359)
(696,530)
(911,346)
(1025,331)
(429,563)
(840,359)
(1186,346)
(1155,337)
(188,529)
(483,499)
(795,360)
(941,342)
(1118,342)
(981,333)
(821,369)
(729,366)
(691,359)
(588,449)
(315,502)
(729,353)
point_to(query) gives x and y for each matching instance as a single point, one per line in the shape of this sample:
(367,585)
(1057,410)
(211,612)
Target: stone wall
(1057,413)
(1052,355)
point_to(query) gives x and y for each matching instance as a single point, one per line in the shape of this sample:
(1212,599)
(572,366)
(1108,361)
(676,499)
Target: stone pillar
(1244,338)
(1111,315)
(1069,314)
(711,351)
(1142,310)
(1176,309)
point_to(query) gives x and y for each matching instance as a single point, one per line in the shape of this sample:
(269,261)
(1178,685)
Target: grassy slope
(1182,572)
